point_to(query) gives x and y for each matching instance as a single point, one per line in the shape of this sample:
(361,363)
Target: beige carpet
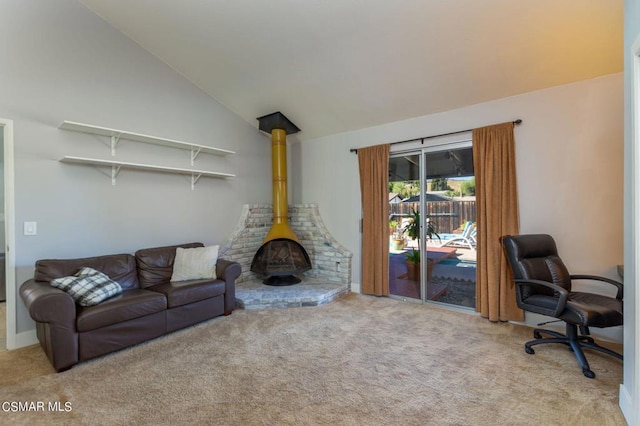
(360,360)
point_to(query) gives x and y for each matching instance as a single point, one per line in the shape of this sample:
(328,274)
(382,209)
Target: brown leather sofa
(149,306)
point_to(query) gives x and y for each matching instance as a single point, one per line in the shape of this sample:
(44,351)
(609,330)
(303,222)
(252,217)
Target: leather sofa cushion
(121,268)
(129,305)
(155,265)
(586,309)
(180,293)
(592,310)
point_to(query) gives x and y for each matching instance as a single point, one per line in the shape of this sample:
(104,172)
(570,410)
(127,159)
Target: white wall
(569,155)
(61,62)
(630,388)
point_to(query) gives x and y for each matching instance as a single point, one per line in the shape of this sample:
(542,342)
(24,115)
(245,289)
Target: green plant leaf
(413,256)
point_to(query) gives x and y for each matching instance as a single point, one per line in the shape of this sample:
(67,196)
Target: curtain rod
(516,122)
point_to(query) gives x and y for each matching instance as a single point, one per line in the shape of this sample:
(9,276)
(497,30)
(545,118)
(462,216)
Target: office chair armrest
(563,294)
(615,283)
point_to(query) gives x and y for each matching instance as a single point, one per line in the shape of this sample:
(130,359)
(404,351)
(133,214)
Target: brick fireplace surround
(329,278)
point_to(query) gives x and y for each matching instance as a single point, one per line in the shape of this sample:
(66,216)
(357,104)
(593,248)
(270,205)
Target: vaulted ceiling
(338,65)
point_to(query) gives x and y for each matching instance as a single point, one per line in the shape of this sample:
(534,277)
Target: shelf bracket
(114,173)
(114,143)
(194,154)
(194,180)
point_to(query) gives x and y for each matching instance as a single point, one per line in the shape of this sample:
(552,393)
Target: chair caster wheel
(529,350)
(537,335)
(588,373)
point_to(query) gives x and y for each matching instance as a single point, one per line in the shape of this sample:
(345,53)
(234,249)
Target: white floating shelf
(116,135)
(117,165)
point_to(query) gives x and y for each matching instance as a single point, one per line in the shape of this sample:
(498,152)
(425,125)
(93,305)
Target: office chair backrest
(535,256)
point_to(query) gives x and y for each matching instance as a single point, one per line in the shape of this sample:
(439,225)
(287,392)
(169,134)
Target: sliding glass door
(432,237)
(404,226)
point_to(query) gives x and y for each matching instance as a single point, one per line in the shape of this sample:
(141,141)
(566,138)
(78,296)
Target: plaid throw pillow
(88,287)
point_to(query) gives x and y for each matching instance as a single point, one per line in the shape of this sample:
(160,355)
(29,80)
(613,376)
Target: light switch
(30,228)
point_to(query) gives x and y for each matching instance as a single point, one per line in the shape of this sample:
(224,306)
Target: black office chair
(543,286)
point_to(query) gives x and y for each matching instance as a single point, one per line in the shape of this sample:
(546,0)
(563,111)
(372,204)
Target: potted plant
(413,257)
(397,235)
(393,224)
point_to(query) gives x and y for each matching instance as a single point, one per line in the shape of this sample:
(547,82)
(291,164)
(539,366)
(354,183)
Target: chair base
(575,342)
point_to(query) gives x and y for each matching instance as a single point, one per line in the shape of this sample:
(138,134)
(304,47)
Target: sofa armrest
(228,271)
(55,314)
(48,304)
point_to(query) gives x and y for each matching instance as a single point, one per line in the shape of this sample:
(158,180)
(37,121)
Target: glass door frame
(421,148)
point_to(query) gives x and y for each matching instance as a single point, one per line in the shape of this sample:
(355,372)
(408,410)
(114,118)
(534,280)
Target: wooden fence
(446,216)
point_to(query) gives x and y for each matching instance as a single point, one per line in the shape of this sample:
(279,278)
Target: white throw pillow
(195,263)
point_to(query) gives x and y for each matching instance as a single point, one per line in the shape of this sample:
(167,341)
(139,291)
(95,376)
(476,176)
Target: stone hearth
(329,278)
(310,292)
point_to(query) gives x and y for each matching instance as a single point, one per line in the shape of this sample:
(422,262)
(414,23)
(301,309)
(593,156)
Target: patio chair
(466,238)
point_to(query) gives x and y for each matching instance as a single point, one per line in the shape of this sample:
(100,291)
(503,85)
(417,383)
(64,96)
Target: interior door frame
(10,235)
(630,392)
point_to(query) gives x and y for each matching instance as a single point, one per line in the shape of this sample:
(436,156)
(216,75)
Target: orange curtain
(494,162)
(374,190)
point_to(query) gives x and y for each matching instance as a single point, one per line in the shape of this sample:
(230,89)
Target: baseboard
(26,338)
(627,406)
(356,287)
